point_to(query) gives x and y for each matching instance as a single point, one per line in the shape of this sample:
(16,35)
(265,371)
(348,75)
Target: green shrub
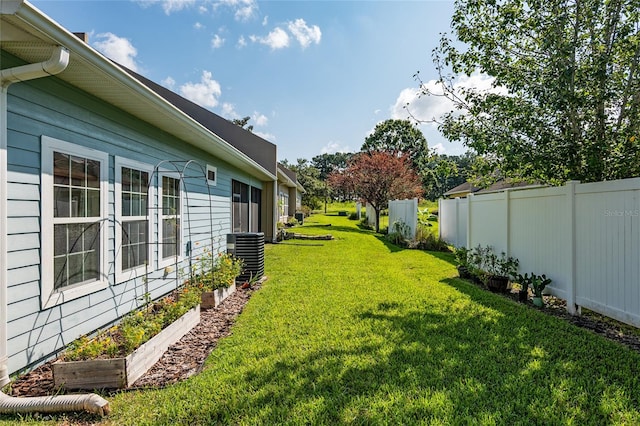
(396,238)
(427,240)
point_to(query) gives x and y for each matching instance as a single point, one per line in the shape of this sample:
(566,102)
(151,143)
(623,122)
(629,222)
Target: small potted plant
(500,269)
(538,284)
(462,257)
(525,282)
(477,260)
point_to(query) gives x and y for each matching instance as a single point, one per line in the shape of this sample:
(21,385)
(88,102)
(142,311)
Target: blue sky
(315,76)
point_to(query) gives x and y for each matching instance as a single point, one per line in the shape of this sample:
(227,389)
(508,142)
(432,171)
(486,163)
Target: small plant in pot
(500,269)
(525,282)
(462,257)
(476,263)
(538,284)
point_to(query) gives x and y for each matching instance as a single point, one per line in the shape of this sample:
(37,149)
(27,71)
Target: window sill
(73,292)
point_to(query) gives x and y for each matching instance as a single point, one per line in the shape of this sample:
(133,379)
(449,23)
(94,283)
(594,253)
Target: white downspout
(56,64)
(91,402)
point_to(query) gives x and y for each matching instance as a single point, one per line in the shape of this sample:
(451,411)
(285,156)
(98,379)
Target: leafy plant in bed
(462,257)
(216,277)
(537,283)
(118,356)
(494,271)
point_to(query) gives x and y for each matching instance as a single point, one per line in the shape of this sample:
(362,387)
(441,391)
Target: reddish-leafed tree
(377,177)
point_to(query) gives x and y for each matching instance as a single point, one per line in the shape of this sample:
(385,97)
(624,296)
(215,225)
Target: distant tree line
(396,151)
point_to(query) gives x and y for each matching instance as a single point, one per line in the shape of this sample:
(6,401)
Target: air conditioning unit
(248,246)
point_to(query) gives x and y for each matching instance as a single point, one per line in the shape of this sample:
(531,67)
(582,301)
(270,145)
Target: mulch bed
(183,359)
(607,327)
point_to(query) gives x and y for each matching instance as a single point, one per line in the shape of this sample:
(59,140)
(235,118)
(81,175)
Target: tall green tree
(309,177)
(244,123)
(326,164)
(567,74)
(444,172)
(400,137)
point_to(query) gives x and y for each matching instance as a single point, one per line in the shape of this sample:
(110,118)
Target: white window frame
(126,275)
(163,263)
(284,206)
(213,169)
(49,296)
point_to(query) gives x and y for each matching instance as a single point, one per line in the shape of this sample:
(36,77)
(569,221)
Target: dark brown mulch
(181,360)
(607,327)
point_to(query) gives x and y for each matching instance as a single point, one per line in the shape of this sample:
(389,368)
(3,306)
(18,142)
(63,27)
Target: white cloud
(202,9)
(242,42)
(118,49)
(243,9)
(198,26)
(304,33)
(229,111)
(217,41)
(266,136)
(259,119)
(276,39)
(333,147)
(279,38)
(439,148)
(265,21)
(169,83)
(427,108)
(205,93)
(170,6)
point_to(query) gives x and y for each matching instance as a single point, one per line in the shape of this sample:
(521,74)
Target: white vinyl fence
(371,215)
(586,237)
(406,212)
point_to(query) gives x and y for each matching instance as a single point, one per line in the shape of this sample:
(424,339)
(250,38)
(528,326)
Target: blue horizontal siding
(16,292)
(23,191)
(52,108)
(19,259)
(24,275)
(17,242)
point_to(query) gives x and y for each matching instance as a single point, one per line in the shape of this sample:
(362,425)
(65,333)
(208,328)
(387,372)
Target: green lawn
(355,331)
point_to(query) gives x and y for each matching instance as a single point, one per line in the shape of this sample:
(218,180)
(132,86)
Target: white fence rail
(406,212)
(371,215)
(586,237)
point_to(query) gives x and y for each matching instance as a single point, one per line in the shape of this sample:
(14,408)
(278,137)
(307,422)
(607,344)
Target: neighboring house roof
(504,184)
(30,35)
(461,190)
(289,178)
(260,150)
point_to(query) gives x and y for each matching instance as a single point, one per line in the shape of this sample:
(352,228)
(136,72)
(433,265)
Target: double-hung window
(284,206)
(132,194)
(74,188)
(170,219)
